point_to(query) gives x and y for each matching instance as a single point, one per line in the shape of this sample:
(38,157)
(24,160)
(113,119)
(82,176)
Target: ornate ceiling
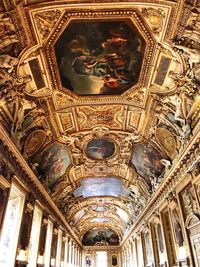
(100,99)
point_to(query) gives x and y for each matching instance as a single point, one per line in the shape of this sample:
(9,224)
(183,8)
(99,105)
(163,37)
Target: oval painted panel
(167,140)
(100,149)
(34,142)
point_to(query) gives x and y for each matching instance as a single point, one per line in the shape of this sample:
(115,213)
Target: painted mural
(148,247)
(53,163)
(177,228)
(146,159)
(34,141)
(100,237)
(114,260)
(160,238)
(87,261)
(100,149)
(98,58)
(93,187)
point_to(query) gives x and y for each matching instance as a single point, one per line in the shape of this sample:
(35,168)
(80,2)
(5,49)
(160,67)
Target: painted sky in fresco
(100,148)
(92,187)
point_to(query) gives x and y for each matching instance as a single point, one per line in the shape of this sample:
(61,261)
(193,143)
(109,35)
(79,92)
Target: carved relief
(7,31)
(136,201)
(66,121)
(99,115)
(7,64)
(167,140)
(34,71)
(34,142)
(45,21)
(189,202)
(172,112)
(196,249)
(155,18)
(62,100)
(138,97)
(190,19)
(133,120)
(79,144)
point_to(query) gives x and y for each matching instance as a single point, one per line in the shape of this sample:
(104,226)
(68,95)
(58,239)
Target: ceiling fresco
(91,187)
(147,160)
(51,164)
(100,148)
(100,103)
(99,58)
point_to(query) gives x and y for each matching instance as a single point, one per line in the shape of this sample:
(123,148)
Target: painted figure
(99,58)
(100,148)
(87,261)
(177,229)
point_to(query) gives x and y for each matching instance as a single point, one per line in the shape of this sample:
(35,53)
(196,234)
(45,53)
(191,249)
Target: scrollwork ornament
(74,142)
(100,131)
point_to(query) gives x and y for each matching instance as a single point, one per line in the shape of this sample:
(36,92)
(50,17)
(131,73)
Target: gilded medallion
(167,140)
(34,142)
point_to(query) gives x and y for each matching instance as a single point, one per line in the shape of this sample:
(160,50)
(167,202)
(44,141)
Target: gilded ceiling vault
(101,100)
